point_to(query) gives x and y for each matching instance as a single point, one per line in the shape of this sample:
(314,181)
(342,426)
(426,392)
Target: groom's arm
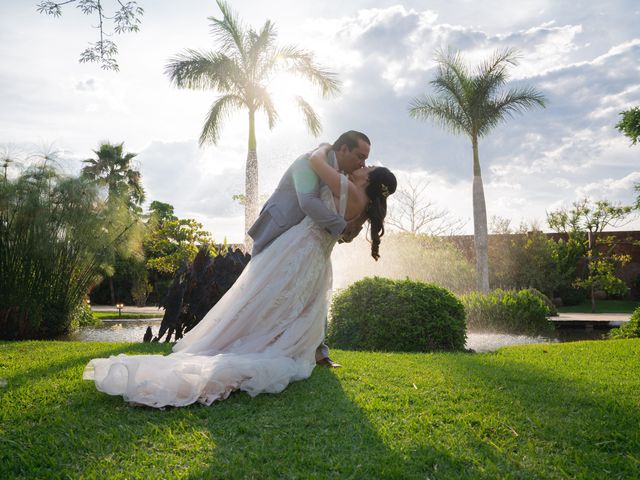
(307,186)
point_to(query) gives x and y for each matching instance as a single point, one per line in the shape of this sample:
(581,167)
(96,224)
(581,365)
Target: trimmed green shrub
(631,329)
(553,311)
(396,315)
(507,311)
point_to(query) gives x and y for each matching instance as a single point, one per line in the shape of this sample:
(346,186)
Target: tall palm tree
(113,168)
(240,70)
(472,103)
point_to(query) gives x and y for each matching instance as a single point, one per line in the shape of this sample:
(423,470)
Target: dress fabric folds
(258,338)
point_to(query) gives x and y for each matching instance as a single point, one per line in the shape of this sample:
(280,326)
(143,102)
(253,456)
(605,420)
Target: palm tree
(240,70)
(472,103)
(113,169)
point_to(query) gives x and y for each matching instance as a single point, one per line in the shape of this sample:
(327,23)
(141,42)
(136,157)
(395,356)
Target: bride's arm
(327,173)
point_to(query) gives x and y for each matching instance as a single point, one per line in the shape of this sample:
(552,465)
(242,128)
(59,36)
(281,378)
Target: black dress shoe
(327,362)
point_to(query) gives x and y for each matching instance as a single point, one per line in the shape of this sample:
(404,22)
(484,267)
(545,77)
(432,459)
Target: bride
(263,333)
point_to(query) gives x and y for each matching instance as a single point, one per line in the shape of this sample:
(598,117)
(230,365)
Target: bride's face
(361,175)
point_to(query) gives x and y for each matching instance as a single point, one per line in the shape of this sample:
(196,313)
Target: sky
(584,56)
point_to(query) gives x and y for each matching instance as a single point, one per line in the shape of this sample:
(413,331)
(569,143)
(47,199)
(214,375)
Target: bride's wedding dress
(259,337)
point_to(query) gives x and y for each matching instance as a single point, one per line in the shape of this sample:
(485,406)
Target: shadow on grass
(326,426)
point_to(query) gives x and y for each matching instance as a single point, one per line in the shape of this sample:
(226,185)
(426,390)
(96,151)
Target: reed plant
(57,236)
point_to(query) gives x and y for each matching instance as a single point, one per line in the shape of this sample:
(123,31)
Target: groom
(298,196)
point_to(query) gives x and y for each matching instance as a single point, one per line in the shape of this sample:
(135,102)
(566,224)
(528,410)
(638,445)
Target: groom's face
(351,160)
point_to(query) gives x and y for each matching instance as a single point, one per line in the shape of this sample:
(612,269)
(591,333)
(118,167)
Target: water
(133,331)
(116,331)
(489,342)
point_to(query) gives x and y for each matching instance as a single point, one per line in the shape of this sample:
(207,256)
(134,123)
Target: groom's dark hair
(350,139)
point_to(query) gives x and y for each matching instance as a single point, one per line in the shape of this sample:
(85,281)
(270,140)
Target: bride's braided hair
(382,183)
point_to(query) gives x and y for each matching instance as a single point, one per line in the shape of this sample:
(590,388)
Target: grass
(602,306)
(125,316)
(537,411)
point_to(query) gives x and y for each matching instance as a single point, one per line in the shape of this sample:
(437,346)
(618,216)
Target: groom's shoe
(327,362)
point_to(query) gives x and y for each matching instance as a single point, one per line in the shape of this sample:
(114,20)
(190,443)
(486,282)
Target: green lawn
(538,411)
(603,306)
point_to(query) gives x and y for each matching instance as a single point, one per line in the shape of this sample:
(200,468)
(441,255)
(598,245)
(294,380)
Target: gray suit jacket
(297,196)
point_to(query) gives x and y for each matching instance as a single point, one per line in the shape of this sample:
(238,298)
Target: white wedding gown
(260,336)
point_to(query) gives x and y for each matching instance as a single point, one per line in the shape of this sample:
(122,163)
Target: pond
(133,331)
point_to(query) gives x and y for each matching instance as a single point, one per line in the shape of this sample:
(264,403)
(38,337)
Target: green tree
(586,221)
(113,168)
(240,70)
(629,126)
(174,241)
(472,103)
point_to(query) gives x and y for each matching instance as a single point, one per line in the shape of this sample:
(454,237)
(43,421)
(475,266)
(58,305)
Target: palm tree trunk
(251,182)
(480,233)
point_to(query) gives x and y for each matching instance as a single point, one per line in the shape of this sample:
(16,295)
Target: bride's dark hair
(382,183)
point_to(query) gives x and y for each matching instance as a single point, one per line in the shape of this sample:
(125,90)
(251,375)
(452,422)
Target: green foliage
(113,169)
(553,311)
(82,316)
(525,259)
(507,311)
(629,126)
(396,315)
(631,329)
(584,224)
(57,237)
(175,241)
(602,273)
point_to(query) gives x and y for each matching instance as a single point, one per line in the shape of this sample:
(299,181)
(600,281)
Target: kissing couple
(268,329)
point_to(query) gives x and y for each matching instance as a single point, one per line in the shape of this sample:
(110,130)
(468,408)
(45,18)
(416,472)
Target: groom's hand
(352,230)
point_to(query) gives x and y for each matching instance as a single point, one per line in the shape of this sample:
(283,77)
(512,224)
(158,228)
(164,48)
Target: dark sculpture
(197,288)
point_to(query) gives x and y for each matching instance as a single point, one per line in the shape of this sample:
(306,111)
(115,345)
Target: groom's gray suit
(297,196)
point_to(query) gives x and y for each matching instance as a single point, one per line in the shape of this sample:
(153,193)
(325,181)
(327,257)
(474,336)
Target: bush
(553,311)
(82,316)
(572,295)
(631,329)
(396,315)
(507,311)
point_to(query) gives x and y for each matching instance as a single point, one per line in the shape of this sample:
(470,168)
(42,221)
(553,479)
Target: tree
(629,126)
(126,18)
(587,220)
(113,168)
(410,211)
(240,71)
(472,103)
(174,241)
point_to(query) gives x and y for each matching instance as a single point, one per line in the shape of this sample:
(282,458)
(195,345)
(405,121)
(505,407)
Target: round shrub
(553,311)
(396,315)
(507,311)
(631,329)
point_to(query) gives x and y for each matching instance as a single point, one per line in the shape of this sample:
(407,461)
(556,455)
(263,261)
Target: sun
(284,88)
